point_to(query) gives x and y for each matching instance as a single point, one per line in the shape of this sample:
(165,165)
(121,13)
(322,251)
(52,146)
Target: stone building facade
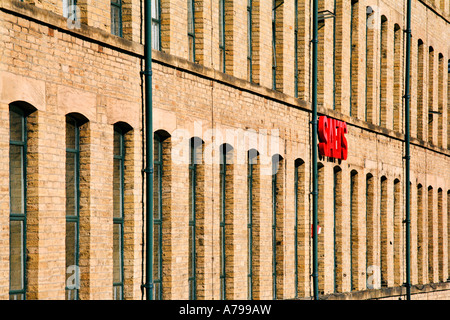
(232,136)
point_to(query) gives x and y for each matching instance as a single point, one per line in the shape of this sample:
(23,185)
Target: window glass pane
(156,252)
(190,18)
(115,20)
(117,143)
(157,192)
(71,244)
(155,36)
(16,266)
(16,177)
(155,9)
(117,253)
(16,126)
(191,251)
(117,189)
(70,133)
(117,292)
(71,184)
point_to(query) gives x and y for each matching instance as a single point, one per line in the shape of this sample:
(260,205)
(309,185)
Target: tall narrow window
(226,211)
(296,48)
(158,217)
(337,229)
(116,17)
(321,218)
(440,236)
(440,113)
(354,58)
(371,265)
(222,34)
(383,231)
(277,226)
(196,186)
(274,45)
(397,233)
(370,51)
(383,72)
(252,224)
(420,235)
(156,24)
(191,29)
(397,72)
(72,207)
(430,224)
(354,231)
(118,212)
(249,40)
(299,228)
(420,88)
(17,203)
(430,94)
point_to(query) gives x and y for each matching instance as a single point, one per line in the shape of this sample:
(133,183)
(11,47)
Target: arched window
(299,227)
(420,87)
(118,212)
(420,235)
(277,226)
(253,223)
(370,68)
(397,72)
(196,181)
(431,80)
(383,231)
(17,203)
(382,121)
(337,229)
(430,224)
(354,231)
(161,197)
(397,224)
(440,235)
(226,218)
(354,57)
(371,265)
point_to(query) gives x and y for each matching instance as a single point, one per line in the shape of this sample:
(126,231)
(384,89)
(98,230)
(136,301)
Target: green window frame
(252,158)
(249,41)
(223,184)
(274,51)
(194,145)
(116,18)
(72,207)
(156,24)
(274,227)
(18,212)
(296,49)
(191,29)
(158,219)
(118,213)
(222,34)
(296,190)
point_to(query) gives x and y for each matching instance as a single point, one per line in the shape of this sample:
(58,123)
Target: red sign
(332,141)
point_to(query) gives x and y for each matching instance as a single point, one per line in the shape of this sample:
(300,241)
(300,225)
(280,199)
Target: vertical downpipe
(148,148)
(315,192)
(407,150)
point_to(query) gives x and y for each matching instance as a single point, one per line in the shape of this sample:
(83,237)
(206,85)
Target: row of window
(429,121)
(75,133)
